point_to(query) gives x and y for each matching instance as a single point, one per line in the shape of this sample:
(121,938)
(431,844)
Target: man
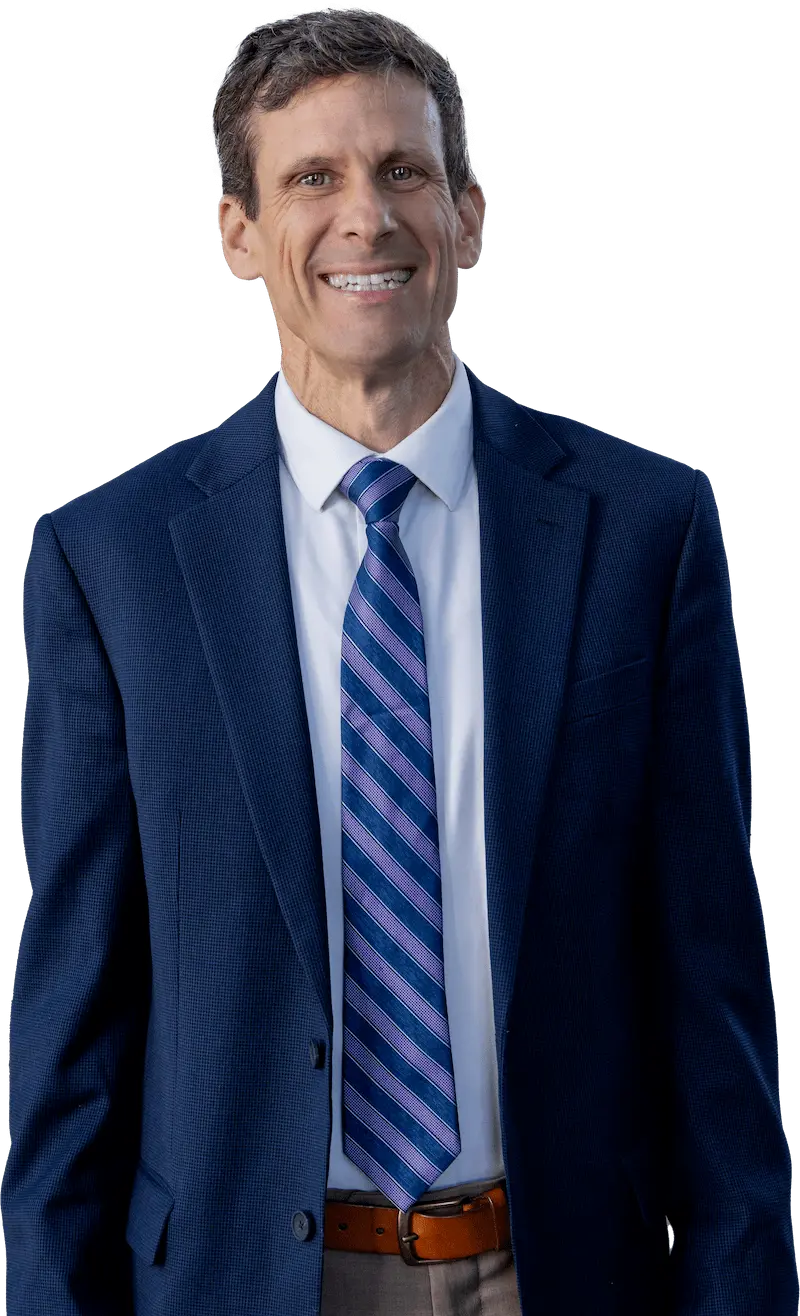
(386,802)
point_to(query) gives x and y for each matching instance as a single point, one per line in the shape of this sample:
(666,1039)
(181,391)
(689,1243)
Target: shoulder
(122,525)
(150,486)
(636,479)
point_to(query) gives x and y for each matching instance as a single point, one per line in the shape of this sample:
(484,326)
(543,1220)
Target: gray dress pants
(372,1284)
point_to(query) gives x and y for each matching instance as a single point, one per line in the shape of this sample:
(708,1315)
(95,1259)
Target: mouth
(366,285)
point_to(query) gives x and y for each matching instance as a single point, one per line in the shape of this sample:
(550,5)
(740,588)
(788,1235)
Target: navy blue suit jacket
(171,1020)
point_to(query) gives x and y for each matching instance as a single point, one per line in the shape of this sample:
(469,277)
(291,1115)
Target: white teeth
(386,279)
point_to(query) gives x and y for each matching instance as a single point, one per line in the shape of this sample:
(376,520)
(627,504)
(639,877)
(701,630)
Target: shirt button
(316,1054)
(302,1225)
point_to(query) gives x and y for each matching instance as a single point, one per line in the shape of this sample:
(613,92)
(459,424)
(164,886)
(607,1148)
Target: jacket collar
(438,452)
(250,436)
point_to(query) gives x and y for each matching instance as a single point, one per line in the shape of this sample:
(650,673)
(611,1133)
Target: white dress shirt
(326,539)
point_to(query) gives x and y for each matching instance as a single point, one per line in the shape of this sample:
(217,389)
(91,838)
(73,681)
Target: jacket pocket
(612,689)
(150,1205)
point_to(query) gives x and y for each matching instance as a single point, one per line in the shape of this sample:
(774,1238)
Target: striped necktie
(400,1121)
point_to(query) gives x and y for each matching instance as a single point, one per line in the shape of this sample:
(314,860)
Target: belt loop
(490,1200)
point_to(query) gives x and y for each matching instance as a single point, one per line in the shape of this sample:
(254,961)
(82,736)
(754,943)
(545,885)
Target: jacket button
(302,1225)
(316,1054)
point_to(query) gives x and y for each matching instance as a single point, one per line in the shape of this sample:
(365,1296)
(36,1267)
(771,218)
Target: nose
(366,212)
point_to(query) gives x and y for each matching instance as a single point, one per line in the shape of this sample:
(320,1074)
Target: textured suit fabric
(171,1018)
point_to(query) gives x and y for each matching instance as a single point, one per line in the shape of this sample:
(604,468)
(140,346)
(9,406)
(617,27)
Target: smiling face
(351,177)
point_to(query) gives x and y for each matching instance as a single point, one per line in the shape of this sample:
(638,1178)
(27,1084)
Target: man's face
(351,175)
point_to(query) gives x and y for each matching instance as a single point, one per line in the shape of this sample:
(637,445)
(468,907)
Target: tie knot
(378,487)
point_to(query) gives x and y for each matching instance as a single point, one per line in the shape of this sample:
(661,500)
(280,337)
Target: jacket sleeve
(729,1169)
(81,990)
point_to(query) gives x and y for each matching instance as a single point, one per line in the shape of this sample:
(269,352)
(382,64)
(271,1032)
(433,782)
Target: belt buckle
(405,1235)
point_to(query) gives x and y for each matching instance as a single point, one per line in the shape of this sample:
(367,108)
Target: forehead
(351,114)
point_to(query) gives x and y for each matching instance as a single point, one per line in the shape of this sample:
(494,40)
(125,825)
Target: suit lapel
(231,549)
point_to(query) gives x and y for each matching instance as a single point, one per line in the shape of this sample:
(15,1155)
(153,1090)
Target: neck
(377,405)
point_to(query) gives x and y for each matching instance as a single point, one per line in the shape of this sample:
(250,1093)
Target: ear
(470,208)
(238,239)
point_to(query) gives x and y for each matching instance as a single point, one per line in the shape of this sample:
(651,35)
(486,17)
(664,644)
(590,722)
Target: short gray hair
(277,60)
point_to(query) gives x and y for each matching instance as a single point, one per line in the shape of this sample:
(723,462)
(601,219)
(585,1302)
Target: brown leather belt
(422,1236)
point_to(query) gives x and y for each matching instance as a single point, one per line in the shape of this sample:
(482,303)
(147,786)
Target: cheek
(280,248)
(448,267)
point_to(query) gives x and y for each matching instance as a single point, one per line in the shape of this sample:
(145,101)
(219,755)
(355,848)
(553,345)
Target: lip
(368,298)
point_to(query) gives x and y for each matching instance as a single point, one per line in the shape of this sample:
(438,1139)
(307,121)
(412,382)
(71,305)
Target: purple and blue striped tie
(400,1120)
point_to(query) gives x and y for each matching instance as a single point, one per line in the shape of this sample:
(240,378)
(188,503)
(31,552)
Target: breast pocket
(621,685)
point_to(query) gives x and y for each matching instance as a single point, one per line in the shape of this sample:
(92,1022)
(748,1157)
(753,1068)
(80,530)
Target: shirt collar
(438,452)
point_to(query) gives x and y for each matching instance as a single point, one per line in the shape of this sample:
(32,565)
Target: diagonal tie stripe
(400,1119)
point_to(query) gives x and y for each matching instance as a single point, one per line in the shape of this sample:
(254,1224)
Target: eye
(320,173)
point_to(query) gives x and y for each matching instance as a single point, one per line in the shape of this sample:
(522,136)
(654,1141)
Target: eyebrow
(309,162)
